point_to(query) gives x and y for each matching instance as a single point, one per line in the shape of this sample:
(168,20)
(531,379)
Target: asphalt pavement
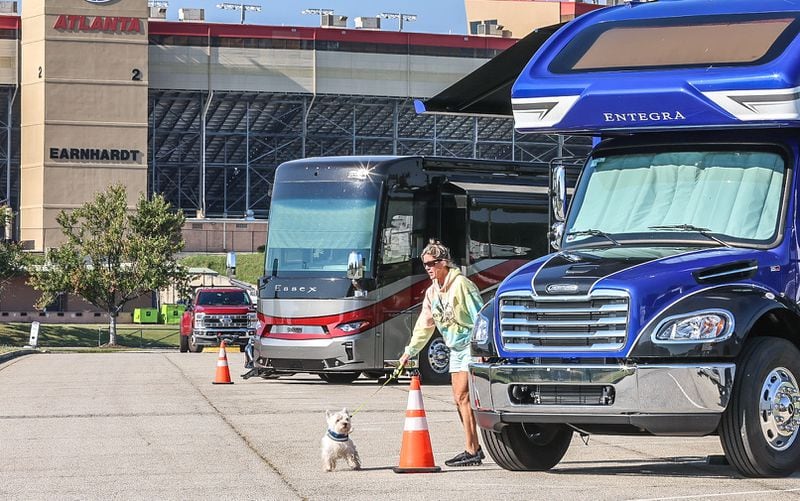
(151,425)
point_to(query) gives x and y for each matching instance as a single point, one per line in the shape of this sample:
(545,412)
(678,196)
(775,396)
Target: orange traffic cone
(416,454)
(223,374)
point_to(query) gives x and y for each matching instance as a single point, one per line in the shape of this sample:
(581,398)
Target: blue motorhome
(671,305)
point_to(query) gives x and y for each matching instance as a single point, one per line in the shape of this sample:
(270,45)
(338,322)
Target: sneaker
(465,459)
(457,457)
(480,453)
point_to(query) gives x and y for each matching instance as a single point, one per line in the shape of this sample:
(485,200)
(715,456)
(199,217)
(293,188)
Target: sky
(433,16)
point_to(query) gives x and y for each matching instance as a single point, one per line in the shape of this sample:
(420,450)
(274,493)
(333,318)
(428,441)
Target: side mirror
(556,233)
(355,266)
(558,193)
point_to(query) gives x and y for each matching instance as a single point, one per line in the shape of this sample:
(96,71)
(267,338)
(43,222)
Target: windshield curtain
(313,226)
(735,194)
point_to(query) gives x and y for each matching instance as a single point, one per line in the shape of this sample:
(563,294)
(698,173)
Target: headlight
(480,332)
(252,320)
(353,326)
(702,326)
(198,319)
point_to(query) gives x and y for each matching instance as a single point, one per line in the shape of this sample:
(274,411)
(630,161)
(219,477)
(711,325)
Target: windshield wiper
(594,233)
(690,227)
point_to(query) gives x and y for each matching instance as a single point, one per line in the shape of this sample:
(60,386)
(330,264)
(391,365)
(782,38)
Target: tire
(194,347)
(765,394)
(339,377)
(526,446)
(184,344)
(434,362)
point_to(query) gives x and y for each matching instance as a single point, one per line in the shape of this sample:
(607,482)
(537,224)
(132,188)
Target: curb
(5,357)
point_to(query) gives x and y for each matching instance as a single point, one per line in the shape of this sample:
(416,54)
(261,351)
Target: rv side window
(741,39)
(397,235)
(507,231)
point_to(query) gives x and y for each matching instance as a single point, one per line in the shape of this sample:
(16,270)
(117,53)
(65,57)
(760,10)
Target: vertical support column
(203,116)
(435,137)
(513,144)
(474,137)
(152,150)
(202,181)
(560,151)
(180,185)
(354,130)
(225,168)
(395,126)
(247,160)
(305,126)
(9,128)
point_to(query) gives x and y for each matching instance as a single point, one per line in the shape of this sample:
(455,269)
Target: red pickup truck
(218,313)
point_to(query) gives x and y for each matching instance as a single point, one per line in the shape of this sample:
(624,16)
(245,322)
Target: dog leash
(392,377)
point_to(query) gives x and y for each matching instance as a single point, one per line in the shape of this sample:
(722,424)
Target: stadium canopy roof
(487,90)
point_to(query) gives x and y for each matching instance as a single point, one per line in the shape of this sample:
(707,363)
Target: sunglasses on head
(429,264)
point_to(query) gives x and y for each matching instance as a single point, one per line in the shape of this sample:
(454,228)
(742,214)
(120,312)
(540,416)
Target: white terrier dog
(336,443)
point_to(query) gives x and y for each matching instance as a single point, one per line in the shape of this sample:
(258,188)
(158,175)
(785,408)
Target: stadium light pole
(318,12)
(243,7)
(400,16)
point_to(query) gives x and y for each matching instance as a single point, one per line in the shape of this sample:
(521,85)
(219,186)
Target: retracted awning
(487,90)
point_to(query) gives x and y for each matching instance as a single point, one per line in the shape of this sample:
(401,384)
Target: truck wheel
(434,362)
(759,428)
(194,347)
(339,377)
(184,343)
(526,446)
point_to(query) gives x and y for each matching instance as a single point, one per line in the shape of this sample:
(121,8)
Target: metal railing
(104,333)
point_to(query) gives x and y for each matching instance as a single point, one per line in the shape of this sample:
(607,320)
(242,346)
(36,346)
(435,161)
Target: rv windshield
(711,197)
(313,226)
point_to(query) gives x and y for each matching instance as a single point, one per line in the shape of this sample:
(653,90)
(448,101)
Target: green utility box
(145,316)
(171,313)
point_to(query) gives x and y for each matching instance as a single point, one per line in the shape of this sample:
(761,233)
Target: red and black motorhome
(343,282)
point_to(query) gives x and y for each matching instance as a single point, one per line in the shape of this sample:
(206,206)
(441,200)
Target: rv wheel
(434,361)
(759,429)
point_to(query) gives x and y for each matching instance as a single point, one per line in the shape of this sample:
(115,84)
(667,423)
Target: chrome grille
(564,323)
(225,321)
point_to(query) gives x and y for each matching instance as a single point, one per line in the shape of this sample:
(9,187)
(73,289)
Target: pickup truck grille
(598,321)
(225,322)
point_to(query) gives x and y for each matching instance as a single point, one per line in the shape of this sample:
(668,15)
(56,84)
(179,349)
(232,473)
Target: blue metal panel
(720,96)
(653,286)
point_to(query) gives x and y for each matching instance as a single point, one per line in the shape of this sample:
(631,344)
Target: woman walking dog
(451,305)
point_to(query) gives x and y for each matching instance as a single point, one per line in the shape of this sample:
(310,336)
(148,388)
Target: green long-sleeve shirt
(451,308)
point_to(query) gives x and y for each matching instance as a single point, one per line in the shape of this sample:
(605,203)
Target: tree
(12,259)
(112,255)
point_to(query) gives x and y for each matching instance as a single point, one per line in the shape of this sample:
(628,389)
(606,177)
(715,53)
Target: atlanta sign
(111,24)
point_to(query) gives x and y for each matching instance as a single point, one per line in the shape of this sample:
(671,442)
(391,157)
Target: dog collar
(338,437)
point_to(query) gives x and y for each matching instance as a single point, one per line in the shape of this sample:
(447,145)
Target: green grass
(249,266)
(86,336)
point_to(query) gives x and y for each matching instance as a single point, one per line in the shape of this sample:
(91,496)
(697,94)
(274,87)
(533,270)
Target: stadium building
(97,92)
